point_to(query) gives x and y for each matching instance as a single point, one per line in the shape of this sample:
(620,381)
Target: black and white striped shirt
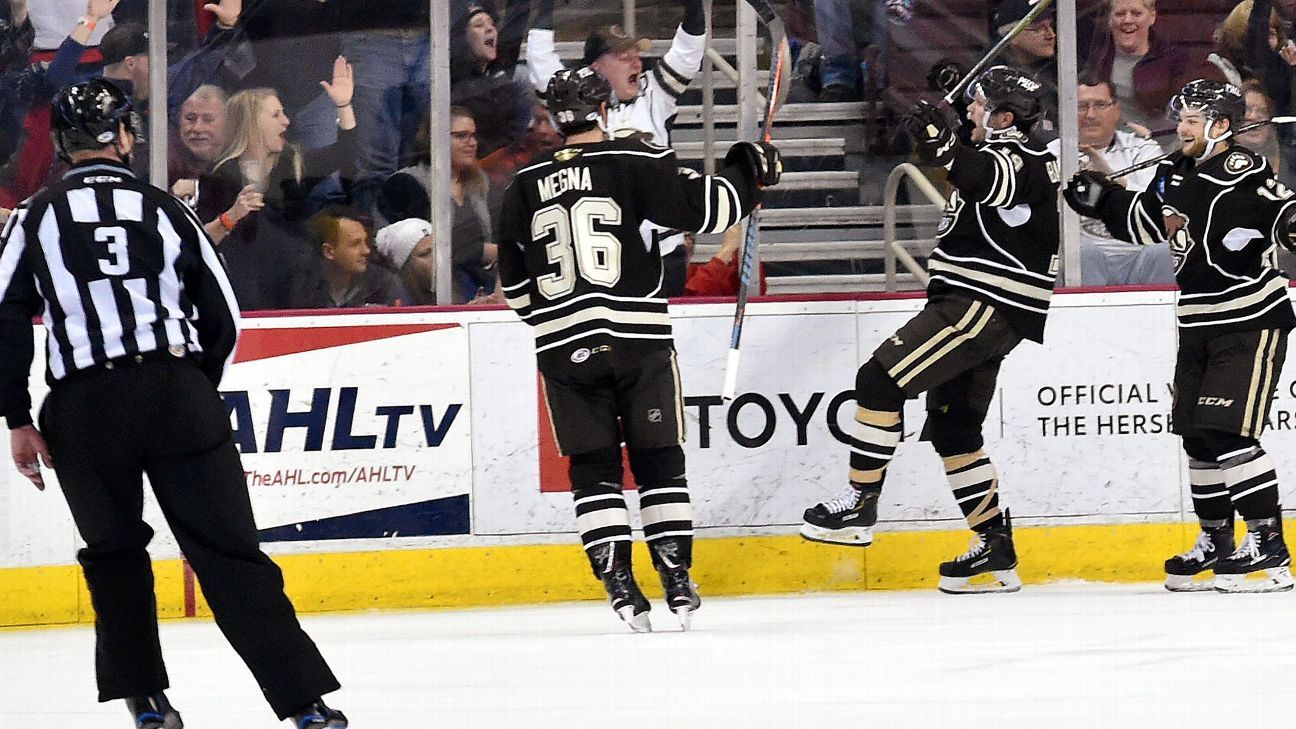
(572,262)
(115,268)
(1221,218)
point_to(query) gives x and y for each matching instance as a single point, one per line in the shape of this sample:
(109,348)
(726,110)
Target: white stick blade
(731,376)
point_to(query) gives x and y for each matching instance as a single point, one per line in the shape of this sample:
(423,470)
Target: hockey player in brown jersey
(1222,210)
(574,266)
(991,279)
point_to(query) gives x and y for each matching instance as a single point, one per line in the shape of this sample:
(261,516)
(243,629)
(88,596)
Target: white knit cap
(397,241)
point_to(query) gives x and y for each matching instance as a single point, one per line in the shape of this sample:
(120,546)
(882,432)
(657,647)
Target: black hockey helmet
(1008,89)
(89,115)
(575,98)
(1215,99)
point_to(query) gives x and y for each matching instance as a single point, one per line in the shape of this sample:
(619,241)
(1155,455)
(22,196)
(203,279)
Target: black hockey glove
(1085,192)
(762,158)
(1286,230)
(934,130)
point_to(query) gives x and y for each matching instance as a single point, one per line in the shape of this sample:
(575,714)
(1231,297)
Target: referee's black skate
(1263,553)
(991,552)
(319,716)
(623,592)
(154,712)
(1182,570)
(681,592)
(847,518)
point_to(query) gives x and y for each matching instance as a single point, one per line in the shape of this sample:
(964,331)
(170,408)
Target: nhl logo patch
(1236,163)
(567,154)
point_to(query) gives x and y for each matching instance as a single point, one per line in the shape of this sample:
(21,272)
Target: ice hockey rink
(1080,655)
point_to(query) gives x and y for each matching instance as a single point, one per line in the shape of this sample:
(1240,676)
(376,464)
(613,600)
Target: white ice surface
(1079,655)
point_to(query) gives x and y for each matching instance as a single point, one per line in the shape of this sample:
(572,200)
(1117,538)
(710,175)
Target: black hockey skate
(991,552)
(623,592)
(154,712)
(319,716)
(681,592)
(1213,544)
(847,518)
(1262,552)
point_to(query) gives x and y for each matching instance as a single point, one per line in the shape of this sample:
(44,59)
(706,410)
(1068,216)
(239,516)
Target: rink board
(399,460)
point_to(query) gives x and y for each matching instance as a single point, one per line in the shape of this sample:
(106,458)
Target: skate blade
(1190,583)
(1278,579)
(685,617)
(638,623)
(849,536)
(1001,581)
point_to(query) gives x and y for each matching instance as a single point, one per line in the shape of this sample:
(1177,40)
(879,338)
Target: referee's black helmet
(90,115)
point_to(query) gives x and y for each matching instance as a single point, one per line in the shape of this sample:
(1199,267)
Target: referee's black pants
(105,428)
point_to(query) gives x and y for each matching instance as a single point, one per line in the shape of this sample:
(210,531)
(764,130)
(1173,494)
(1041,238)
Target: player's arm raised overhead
(514,277)
(1001,175)
(683,199)
(1134,217)
(19,302)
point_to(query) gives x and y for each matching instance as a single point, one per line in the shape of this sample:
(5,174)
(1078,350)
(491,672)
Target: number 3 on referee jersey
(577,247)
(118,262)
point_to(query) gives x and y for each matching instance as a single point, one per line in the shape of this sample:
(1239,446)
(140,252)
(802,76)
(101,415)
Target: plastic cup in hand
(253,174)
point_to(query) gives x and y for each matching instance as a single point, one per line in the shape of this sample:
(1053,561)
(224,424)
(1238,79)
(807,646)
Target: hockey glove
(1286,230)
(1085,192)
(935,131)
(762,158)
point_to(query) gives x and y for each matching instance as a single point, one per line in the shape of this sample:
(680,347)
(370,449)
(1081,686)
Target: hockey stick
(993,53)
(776,94)
(1241,130)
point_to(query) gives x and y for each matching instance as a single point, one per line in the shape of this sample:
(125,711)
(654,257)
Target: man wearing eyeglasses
(1033,51)
(1104,146)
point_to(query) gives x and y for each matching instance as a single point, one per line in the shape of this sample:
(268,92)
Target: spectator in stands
(1251,38)
(542,137)
(181,22)
(482,82)
(1104,146)
(388,43)
(50,20)
(718,276)
(199,137)
(1263,140)
(269,253)
(295,42)
(408,248)
(406,195)
(1033,51)
(16,35)
(351,280)
(855,49)
(1146,69)
(29,170)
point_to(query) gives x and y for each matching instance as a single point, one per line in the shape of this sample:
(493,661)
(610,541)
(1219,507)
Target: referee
(141,324)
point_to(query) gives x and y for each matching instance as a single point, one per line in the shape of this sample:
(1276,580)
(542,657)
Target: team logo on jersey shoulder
(1237,163)
(567,153)
(1181,241)
(950,215)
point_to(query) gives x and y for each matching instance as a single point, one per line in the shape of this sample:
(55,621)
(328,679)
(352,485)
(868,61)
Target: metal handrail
(895,249)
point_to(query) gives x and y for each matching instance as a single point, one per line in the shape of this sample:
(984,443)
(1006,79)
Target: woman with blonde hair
(255,199)
(1253,39)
